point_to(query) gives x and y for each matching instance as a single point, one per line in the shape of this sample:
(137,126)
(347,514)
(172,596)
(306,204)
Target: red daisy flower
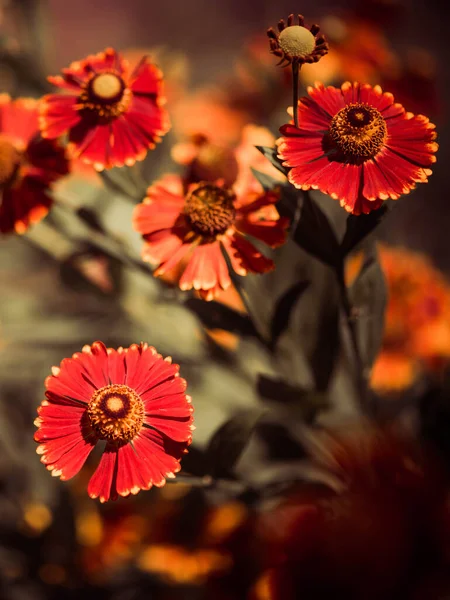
(131,398)
(201,224)
(113,116)
(28,165)
(357,145)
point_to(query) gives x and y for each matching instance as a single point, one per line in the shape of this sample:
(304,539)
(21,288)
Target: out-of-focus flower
(131,398)
(29,165)
(208,113)
(370,538)
(295,43)
(417,322)
(359,51)
(208,161)
(200,224)
(177,565)
(357,145)
(112,116)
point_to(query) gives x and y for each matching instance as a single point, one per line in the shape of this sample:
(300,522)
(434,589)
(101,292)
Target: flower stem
(360,370)
(295,71)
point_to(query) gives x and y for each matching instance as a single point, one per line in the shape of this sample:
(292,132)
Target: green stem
(360,370)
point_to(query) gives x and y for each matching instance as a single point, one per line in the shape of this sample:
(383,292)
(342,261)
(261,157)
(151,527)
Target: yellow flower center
(358,131)
(10,159)
(210,209)
(116,413)
(107,86)
(106,94)
(297,41)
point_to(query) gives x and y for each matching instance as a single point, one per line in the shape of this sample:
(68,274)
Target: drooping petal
(206,269)
(146,79)
(57,114)
(272,233)
(244,257)
(102,484)
(92,143)
(65,443)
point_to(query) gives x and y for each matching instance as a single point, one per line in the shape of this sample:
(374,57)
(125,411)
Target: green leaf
(360,226)
(271,155)
(268,183)
(229,442)
(313,231)
(368,296)
(283,310)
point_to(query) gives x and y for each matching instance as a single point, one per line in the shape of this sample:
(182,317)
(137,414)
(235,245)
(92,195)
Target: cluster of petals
(417,321)
(112,115)
(357,145)
(359,536)
(132,399)
(170,237)
(29,165)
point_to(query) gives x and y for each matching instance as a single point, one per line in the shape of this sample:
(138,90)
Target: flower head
(130,398)
(202,223)
(366,535)
(416,335)
(28,165)
(112,115)
(295,43)
(357,145)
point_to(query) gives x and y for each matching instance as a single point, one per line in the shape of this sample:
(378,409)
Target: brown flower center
(10,159)
(105,93)
(116,413)
(210,209)
(359,131)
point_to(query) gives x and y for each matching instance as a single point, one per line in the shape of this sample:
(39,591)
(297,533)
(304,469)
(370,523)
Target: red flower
(357,145)
(134,400)
(113,116)
(28,165)
(200,224)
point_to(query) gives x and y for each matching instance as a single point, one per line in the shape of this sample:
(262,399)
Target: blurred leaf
(271,155)
(229,441)
(268,183)
(360,226)
(314,233)
(91,219)
(283,310)
(368,296)
(218,316)
(126,181)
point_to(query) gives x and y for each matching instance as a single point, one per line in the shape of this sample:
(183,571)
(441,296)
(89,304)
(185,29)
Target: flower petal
(103,482)
(206,269)
(244,257)
(57,115)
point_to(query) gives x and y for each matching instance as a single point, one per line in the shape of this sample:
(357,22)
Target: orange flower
(417,321)
(29,165)
(357,145)
(200,224)
(112,116)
